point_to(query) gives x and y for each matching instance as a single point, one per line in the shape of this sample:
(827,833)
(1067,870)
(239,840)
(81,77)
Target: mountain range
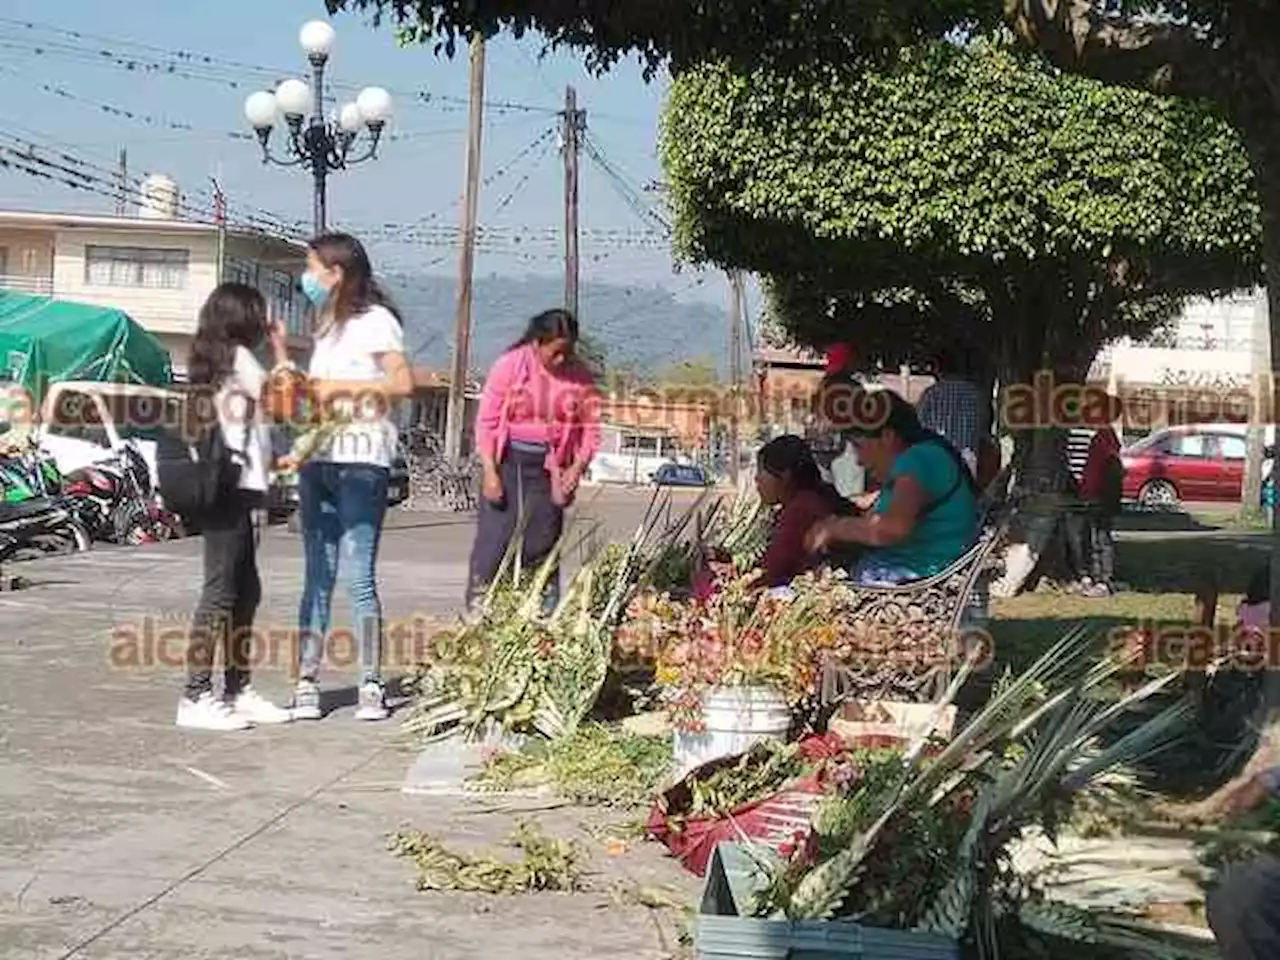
(642,329)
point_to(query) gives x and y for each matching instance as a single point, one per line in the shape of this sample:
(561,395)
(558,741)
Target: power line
(160,122)
(191,65)
(26,155)
(255,217)
(392,230)
(632,197)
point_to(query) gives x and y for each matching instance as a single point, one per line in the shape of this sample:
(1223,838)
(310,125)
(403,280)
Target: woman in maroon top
(787,476)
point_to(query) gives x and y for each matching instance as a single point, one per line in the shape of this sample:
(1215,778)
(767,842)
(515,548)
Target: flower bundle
(728,634)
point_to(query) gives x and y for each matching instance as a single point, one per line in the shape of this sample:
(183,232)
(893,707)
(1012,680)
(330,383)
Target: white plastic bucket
(736,719)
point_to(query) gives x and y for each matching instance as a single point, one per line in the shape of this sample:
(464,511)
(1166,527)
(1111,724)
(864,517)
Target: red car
(1200,463)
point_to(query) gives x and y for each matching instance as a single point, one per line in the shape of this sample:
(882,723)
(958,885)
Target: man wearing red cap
(839,358)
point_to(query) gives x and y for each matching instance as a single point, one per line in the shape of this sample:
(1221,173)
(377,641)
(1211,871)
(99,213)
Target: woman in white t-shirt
(358,370)
(233,323)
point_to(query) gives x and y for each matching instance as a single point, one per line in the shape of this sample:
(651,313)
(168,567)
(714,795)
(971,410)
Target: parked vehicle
(39,526)
(35,516)
(85,422)
(1205,462)
(680,475)
(282,497)
(118,501)
(103,437)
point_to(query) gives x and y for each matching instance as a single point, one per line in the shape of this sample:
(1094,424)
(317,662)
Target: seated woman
(926,514)
(787,476)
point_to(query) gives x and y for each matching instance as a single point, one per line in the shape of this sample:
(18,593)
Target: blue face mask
(314,291)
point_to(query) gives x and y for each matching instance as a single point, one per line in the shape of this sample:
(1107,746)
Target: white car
(83,422)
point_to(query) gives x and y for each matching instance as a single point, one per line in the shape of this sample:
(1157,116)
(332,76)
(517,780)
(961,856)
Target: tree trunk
(1043,484)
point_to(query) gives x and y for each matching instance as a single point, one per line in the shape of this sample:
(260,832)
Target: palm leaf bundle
(952,817)
(522,668)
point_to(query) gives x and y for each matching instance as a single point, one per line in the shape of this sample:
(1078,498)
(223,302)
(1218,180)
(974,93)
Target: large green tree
(962,192)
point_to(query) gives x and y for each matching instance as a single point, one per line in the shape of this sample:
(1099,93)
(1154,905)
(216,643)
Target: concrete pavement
(123,837)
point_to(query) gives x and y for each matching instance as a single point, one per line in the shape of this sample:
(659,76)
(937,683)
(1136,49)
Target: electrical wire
(254,217)
(630,196)
(405,231)
(191,65)
(28,156)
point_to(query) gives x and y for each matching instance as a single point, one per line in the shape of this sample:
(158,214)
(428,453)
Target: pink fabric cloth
(524,401)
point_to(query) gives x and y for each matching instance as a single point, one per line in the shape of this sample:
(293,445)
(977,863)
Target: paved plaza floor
(124,837)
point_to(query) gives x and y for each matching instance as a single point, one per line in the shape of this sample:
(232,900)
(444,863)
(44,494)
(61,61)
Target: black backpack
(198,478)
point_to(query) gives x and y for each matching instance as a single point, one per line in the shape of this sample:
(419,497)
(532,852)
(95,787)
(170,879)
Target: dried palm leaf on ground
(545,864)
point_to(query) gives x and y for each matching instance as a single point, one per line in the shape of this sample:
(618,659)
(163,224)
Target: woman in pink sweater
(537,429)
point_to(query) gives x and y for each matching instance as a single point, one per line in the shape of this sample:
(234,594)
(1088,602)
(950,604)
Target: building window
(235,270)
(4,261)
(285,302)
(154,269)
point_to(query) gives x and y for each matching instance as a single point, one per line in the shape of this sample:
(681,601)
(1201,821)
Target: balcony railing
(41,286)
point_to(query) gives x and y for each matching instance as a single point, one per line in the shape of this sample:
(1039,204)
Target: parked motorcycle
(40,526)
(118,501)
(35,518)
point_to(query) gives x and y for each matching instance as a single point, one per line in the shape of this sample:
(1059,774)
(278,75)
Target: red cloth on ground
(781,820)
(1104,445)
(786,557)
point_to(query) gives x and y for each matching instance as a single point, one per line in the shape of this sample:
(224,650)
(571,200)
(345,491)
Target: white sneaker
(306,700)
(257,709)
(209,713)
(373,703)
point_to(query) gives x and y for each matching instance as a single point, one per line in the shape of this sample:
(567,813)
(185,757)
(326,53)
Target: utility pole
(574,121)
(122,201)
(220,218)
(737,293)
(1259,409)
(456,417)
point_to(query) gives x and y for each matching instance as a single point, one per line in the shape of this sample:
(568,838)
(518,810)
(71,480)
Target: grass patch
(1162,574)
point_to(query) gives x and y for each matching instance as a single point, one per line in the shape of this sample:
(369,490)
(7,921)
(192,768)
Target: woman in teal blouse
(925,515)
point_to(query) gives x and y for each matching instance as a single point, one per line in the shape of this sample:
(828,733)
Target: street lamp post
(323,146)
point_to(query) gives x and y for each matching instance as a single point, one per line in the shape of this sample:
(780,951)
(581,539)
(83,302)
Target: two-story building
(155,267)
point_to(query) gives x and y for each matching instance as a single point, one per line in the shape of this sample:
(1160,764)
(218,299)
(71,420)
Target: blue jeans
(871,572)
(342,506)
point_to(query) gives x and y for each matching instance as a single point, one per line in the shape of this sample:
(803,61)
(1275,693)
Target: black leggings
(228,600)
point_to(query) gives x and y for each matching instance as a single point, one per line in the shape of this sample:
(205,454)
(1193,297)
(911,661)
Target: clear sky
(183,70)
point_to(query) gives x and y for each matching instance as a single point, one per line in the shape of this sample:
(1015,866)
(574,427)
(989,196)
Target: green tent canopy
(43,341)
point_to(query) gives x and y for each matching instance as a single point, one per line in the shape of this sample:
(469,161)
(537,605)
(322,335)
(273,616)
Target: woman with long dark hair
(358,370)
(787,476)
(926,513)
(536,431)
(233,323)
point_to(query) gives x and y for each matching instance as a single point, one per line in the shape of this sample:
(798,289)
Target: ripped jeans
(342,506)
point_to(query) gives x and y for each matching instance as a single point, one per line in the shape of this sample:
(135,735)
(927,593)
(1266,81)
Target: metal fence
(436,483)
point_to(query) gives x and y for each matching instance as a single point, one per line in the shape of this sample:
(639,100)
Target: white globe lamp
(350,119)
(293,97)
(317,39)
(374,104)
(261,110)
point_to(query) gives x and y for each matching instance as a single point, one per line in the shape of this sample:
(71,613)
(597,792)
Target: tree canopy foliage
(955,179)
(679,33)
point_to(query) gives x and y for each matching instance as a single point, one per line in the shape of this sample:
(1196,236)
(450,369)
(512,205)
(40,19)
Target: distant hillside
(644,329)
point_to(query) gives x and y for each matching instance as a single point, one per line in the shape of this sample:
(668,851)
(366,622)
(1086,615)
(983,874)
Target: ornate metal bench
(905,641)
